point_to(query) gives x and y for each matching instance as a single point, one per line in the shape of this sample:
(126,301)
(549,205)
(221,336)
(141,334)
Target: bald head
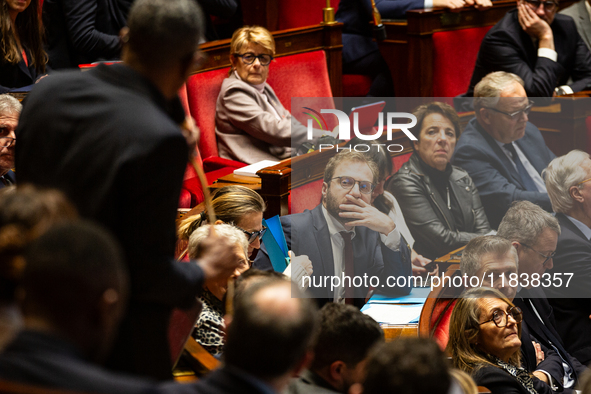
(270,315)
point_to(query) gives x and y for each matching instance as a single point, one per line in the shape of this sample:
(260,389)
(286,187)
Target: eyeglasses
(252,236)
(246,262)
(551,255)
(249,58)
(501,318)
(580,183)
(516,114)
(5,142)
(347,183)
(548,5)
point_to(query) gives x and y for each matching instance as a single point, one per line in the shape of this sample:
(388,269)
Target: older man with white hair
(10,111)
(567,179)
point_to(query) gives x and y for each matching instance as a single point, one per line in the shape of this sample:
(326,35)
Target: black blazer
(307,233)
(507,47)
(572,306)
(497,180)
(83,31)
(42,360)
(499,381)
(17,75)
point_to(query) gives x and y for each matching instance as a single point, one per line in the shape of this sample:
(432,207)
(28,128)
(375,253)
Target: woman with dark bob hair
(485,341)
(23,57)
(439,201)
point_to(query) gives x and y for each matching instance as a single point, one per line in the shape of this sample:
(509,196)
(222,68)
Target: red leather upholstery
(299,13)
(441,328)
(356,85)
(454,57)
(180,326)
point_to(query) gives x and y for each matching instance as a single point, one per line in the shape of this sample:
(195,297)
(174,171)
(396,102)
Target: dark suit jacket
(42,360)
(544,332)
(507,47)
(225,380)
(18,75)
(497,180)
(499,381)
(356,16)
(307,233)
(10,176)
(83,31)
(109,140)
(572,309)
(578,12)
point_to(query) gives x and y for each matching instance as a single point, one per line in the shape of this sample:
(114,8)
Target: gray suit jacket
(246,127)
(578,12)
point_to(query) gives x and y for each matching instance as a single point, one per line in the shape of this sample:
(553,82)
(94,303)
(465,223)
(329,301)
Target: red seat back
(588,123)
(299,13)
(203,90)
(454,54)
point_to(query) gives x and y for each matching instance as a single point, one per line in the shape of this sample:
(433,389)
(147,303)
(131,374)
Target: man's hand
(542,376)
(539,353)
(418,264)
(218,257)
(191,133)
(363,214)
(536,27)
(451,4)
(480,5)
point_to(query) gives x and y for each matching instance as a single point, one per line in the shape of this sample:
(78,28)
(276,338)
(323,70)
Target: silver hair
(164,30)
(561,174)
(233,234)
(525,221)
(9,105)
(480,246)
(489,89)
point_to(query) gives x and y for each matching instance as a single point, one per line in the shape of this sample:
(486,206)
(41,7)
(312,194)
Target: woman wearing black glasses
(439,201)
(485,341)
(251,123)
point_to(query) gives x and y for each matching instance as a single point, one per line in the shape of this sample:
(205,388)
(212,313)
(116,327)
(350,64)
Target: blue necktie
(527,181)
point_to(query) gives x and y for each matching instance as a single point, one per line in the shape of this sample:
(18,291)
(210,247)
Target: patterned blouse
(209,330)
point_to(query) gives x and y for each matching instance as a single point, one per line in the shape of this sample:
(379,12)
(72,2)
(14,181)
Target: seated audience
(251,124)
(209,330)
(83,31)
(439,201)
(236,205)
(25,213)
(269,340)
(345,338)
(567,180)
(542,48)
(484,341)
(406,365)
(387,205)
(75,287)
(580,13)
(10,111)
(504,153)
(361,54)
(534,234)
(23,58)
(335,246)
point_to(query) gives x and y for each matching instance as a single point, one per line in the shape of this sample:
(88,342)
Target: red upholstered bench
(454,54)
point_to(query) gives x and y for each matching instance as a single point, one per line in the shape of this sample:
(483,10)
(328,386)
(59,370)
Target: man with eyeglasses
(503,152)
(10,110)
(345,237)
(568,179)
(495,258)
(534,234)
(543,48)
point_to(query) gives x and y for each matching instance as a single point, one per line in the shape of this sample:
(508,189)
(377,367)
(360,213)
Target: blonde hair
(464,380)
(255,34)
(230,204)
(464,327)
(227,231)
